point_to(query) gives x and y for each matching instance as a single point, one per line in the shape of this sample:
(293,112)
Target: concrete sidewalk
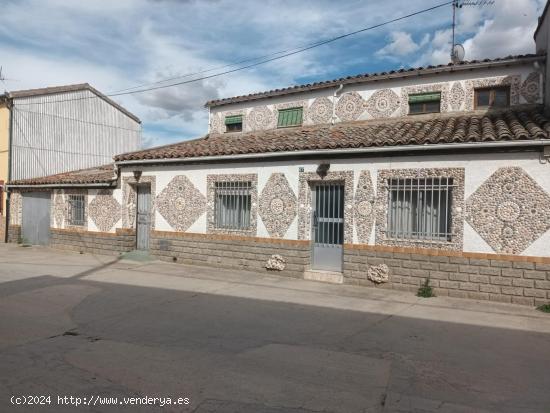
(38,261)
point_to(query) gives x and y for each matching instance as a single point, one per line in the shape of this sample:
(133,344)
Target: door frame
(151,215)
(313,184)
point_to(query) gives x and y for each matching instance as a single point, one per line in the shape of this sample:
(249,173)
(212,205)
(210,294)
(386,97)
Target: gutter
(350,151)
(89,185)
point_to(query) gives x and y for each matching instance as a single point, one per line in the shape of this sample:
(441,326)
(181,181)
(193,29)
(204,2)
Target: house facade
(380,180)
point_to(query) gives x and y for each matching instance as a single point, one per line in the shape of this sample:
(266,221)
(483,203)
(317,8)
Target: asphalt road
(96,327)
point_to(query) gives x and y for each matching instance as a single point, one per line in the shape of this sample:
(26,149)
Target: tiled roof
(527,124)
(98,175)
(371,77)
(52,90)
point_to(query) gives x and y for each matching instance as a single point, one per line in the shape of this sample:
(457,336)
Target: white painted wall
(478,167)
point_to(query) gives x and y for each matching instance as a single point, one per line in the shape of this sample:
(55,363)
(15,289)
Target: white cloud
(402,44)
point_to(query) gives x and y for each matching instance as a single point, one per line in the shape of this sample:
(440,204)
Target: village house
(380,179)
(58,129)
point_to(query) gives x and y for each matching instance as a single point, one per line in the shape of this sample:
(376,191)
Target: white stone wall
(478,168)
(384,99)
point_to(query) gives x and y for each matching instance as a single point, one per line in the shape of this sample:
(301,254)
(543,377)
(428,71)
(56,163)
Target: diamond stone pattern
(181,203)
(509,210)
(278,205)
(104,210)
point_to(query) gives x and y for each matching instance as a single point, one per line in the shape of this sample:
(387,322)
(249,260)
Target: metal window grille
(233,202)
(76,209)
(420,208)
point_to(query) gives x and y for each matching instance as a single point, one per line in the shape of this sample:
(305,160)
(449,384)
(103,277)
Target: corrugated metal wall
(78,131)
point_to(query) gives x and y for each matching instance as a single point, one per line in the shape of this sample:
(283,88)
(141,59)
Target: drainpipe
(334,96)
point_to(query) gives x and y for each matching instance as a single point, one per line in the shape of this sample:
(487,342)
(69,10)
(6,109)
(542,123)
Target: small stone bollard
(276,262)
(378,273)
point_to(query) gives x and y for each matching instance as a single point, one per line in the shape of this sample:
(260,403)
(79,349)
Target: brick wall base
(243,253)
(14,233)
(93,242)
(508,279)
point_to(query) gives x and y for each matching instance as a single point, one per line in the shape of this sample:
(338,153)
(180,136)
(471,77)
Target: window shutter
(425,97)
(290,117)
(231,120)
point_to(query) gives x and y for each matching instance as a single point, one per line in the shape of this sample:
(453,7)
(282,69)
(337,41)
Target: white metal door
(143,218)
(328,226)
(36,218)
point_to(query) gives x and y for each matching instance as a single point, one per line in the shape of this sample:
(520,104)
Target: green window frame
(234,123)
(290,117)
(425,103)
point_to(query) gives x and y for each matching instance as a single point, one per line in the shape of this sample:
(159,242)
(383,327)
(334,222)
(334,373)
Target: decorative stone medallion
(509,210)
(456,201)
(383,103)
(104,210)
(531,87)
(261,118)
(181,203)
(58,210)
(443,88)
(456,96)
(364,207)
(306,181)
(350,106)
(278,205)
(514,81)
(320,111)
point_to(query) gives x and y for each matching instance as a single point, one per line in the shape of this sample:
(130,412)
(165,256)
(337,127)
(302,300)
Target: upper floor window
(492,97)
(425,103)
(234,123)
(290,117)
(232,205)
(420,208)
(77,210)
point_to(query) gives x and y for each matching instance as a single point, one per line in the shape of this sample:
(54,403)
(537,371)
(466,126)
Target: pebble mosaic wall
(129,200)
(16,208)
(278,205)
(513,81)
(364,207)
(443,88)
(58,208)
(350,106)
(382,103)
(102,210)
(181,203)
(530,89)
(320,111)
(509,210)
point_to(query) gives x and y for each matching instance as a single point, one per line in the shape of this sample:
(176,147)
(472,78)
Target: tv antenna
(457,50)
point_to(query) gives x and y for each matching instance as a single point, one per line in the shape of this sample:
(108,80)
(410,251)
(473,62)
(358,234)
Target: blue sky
(118,44)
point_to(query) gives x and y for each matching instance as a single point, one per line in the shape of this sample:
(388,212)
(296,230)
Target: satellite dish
(458,53)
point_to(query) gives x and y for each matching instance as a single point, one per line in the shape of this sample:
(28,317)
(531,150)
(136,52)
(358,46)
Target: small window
(76,210)
(420,208)
(496,97)
(290,117)
(424,103)
(234,123)
(233,202)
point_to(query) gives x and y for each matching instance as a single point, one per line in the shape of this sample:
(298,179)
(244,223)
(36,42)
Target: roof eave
(64,185)
(344,151)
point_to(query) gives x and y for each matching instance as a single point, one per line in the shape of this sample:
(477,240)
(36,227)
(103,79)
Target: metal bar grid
(76,209)
(233,201)
(329,214)
(419,208)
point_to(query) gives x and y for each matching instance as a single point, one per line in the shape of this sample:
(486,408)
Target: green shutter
(425,97)
(290,117)
(231,120)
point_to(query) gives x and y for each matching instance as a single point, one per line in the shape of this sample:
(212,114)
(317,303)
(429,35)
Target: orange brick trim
(77,231)
(432,252)
(225,237)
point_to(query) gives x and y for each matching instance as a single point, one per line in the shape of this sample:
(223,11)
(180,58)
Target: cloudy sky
(118,44)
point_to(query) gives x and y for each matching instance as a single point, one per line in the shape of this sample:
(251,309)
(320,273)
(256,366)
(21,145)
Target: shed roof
(105,174)
(52,90)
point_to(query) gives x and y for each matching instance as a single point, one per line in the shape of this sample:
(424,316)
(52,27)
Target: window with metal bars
(76,210)
(232,205)
(290,117)
(420,208)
